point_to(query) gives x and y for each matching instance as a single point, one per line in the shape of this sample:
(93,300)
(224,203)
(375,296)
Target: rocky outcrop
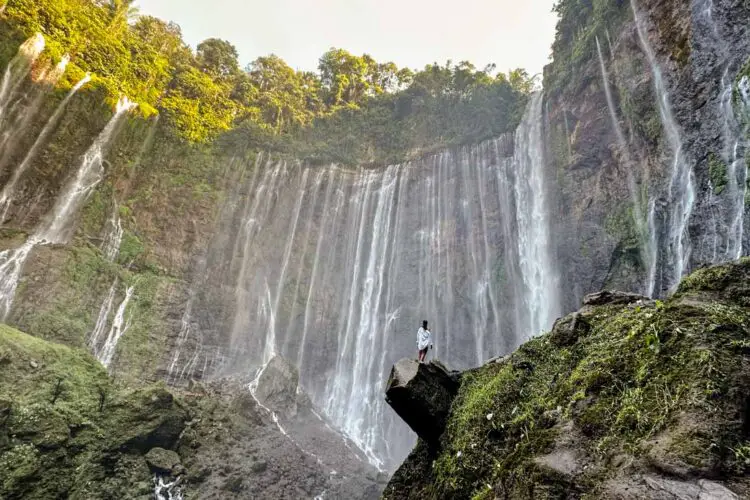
(628,398)
(69,431)
(277,386)
(421,394)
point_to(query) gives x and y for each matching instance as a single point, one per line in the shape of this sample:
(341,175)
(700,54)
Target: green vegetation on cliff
(353,110)
(67,431)
(624,387)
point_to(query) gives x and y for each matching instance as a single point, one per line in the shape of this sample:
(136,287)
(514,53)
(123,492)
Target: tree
(284,94)
(121,12)
(218,58)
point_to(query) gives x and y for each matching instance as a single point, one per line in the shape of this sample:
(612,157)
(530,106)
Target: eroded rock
(277,386)
(162,461)
(422,394)
(611,298)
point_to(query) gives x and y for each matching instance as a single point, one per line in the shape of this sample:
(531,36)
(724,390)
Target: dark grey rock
(421,394)
(607,298)
(567,330)
(277,386)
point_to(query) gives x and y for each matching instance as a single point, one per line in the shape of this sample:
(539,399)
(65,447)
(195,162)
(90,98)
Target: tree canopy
(202,94)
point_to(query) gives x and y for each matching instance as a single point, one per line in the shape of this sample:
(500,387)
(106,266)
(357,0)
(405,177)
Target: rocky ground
(627,398)
(68,430)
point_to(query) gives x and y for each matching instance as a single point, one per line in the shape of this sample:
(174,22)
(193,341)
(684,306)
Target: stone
(259,466)
(569,329)
(33,364)
(658,487)
(163,461)
(421,394)
(277,386)
(612,298)
(562,462)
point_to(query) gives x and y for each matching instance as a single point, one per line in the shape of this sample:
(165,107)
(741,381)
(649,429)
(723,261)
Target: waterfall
(540,279)
(728,233)
(335,268)
(648,250)
(55,228)
(165,490)
(113,235)
(23,104)
(103,318)
(734,157)
(18,69)
(186,328)
(6,195)
(681,193)
(106,352)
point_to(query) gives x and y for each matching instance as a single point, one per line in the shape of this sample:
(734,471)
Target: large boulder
(277,386)
(421,394)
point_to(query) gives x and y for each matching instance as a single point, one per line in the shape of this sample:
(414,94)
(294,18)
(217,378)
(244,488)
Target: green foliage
(671,374)
(717,170)
(131,248)
(580,23)
(354,110)
(89,442)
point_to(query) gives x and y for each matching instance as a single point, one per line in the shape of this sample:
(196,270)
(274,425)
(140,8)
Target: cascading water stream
(103,318)
(647,245)
(681,193)
(6,195)
(539,276)
(727,237)
(113,235)
(55,229)
(335,269)
(18,69)
(106,352)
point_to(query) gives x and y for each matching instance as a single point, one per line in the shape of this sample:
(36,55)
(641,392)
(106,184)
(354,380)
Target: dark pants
(423,354)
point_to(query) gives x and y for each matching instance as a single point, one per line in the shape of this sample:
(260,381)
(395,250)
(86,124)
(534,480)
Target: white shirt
(424,339)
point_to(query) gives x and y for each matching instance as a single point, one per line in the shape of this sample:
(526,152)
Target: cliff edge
(627,398)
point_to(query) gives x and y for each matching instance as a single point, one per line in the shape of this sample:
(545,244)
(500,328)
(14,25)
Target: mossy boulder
(162,461)
(629,398)
(68,431)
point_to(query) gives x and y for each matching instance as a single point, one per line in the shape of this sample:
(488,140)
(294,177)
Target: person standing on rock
(424,341)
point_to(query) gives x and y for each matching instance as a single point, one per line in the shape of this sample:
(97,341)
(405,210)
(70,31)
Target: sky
(411,33)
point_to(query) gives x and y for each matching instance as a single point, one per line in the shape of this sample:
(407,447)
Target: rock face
(625,399)
(98,440)
(277,386)
(421,394)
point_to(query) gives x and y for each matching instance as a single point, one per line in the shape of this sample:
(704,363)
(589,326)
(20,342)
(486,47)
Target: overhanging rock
(421,394)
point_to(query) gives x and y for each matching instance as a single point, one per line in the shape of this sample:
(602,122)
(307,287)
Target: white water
(335,269)
(106,352)
(734,156)
(102,320)
(164,490)
(648,247)
(681,193)
(18,69)
(113,235)
(728,212)
(533,224)
(55,228)
(6,195)
(89,174)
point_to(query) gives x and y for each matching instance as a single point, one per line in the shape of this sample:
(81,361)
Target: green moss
(131,248)
(717,171)
(670,372)
(66,431)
